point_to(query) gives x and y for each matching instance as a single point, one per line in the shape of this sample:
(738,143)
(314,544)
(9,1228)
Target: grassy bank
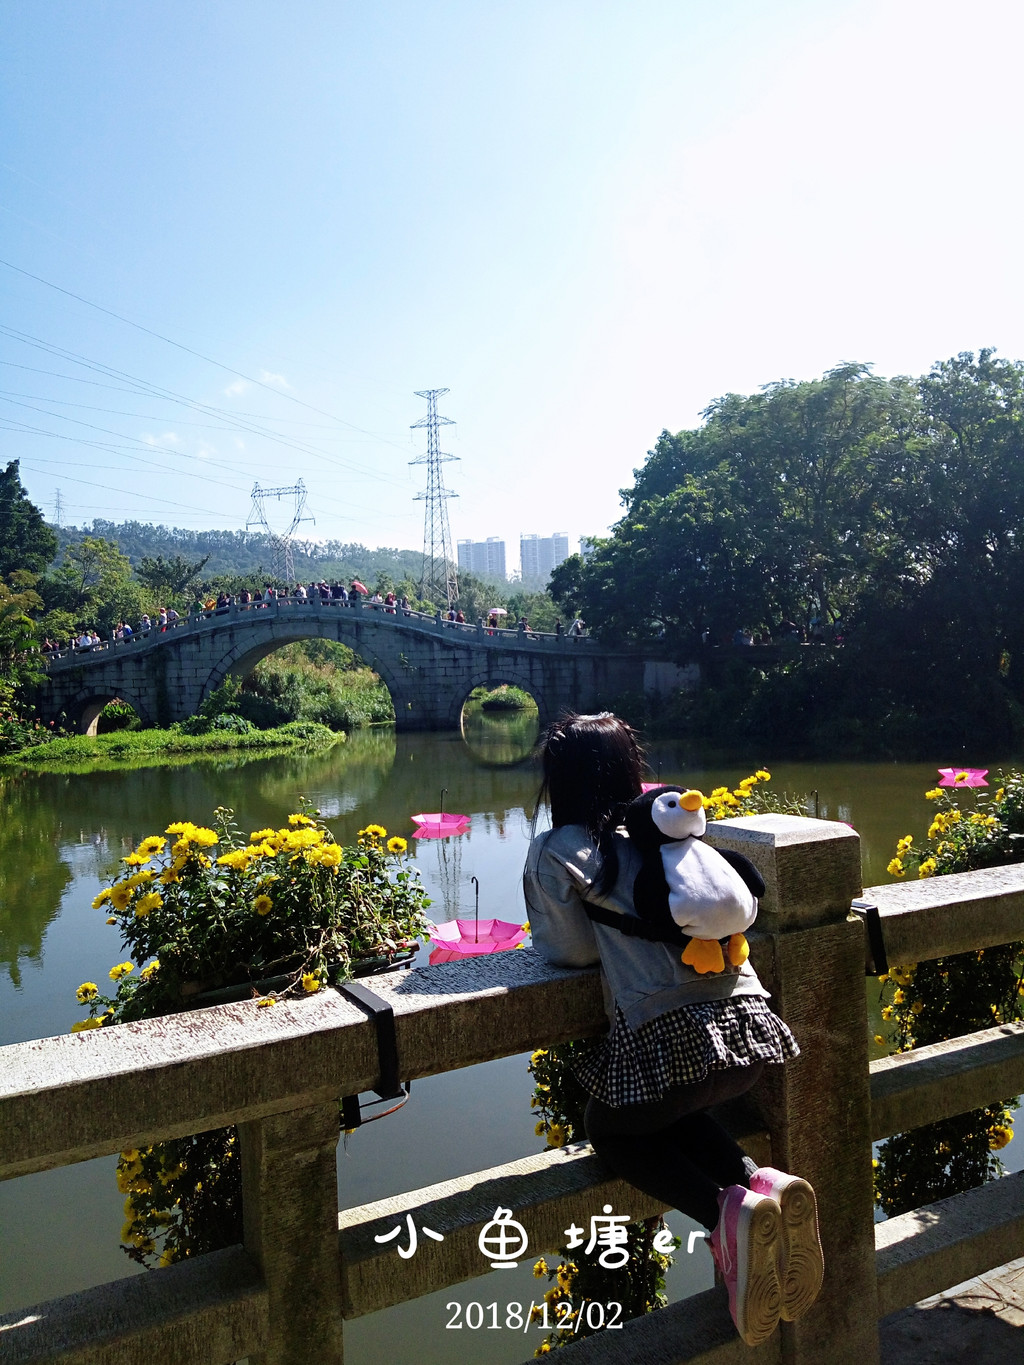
(135,746)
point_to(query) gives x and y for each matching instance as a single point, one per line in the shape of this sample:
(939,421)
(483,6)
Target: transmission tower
(438,578)
(283,562)
(58,510)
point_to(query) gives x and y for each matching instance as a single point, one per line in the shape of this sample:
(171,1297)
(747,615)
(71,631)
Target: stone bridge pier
(429,665)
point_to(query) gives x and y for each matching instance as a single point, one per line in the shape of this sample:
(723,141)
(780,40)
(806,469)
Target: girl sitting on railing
(681,1040)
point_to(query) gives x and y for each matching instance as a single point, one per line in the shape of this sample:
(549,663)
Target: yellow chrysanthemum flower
(137,859)
(150,969)
(896,868)
(540,1268)
(557,1135)
(887,1013)
(263,905)
(310,982)
(122,969)
(397,844)
(152,845)
(300,820)
(152,900)
(763,775)
(998,1136)
(83,1025)
(120,896)
(102,898)
(539,1127)
(927,868)
(87,991)
(204,837)
(899,998)
(258,835)
(237,859)
(266,1002)
(111,919)
(934,794)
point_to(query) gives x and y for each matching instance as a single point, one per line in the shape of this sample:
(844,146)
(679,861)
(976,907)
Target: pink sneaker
(802,1264)
(745,1245)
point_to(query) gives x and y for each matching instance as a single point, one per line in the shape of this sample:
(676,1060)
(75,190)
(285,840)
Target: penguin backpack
(687,892)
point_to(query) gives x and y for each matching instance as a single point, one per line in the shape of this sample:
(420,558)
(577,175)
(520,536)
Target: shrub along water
(314,680)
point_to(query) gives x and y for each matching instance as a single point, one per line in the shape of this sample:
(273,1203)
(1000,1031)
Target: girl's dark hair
(593,767)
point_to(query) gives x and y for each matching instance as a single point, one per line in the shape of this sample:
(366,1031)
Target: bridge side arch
(497,673)
(82,711)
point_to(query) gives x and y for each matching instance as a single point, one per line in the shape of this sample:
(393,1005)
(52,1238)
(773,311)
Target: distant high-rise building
(587,547)
(483,556)
(538,555)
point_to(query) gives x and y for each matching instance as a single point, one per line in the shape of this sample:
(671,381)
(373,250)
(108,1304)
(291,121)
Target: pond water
(60,841)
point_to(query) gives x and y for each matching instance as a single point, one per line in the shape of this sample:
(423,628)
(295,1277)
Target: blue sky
(587,220)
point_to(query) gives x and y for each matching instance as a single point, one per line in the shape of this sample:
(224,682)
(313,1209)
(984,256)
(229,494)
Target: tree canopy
(26,542)
(891,510)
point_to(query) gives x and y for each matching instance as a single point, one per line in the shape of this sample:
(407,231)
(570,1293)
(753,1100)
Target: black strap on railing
(381,1012)
(877,963)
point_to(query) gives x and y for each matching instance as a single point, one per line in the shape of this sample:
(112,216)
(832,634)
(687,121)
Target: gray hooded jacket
(643,978)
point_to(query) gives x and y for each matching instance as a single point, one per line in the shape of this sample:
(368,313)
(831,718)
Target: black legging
(672,1149)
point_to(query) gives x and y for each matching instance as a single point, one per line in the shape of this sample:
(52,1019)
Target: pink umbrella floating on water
(963,777)
(440,824)
(459,938)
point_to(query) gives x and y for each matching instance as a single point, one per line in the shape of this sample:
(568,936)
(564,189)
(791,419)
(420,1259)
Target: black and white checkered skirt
(638,1066)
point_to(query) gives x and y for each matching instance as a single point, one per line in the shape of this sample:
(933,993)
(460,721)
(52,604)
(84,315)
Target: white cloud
(278,379)
(239,386)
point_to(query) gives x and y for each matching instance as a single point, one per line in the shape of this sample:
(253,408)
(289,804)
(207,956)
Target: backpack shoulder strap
(633,927)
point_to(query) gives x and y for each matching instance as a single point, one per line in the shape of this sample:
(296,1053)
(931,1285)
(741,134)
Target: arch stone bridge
(430,665)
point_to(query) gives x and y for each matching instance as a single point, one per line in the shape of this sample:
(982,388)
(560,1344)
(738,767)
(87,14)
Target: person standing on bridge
(680,1040)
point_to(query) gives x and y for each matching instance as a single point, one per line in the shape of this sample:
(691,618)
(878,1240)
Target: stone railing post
(290,1228)
(809,952)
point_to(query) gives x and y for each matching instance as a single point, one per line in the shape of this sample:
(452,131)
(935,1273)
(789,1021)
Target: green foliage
(93,583)
(890,510)
(136,745)
(17,733)
(171,577)
(314,680)
(507,698)
(928,1002)
(117,715)
(26,542)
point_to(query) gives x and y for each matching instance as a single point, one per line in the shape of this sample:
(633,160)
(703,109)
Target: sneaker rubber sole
(803,1265)
(758,1288)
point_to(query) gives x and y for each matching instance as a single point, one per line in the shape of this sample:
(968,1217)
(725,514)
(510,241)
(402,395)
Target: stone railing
(283,1296)
(296,609)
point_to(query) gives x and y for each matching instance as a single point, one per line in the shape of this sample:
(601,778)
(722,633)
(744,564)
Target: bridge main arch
(239,661)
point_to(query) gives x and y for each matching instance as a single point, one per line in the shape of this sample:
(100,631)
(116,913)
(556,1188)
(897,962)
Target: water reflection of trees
(32,875)
(499,738)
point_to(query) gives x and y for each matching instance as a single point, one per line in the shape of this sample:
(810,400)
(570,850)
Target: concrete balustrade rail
(283,1296)
(429,664)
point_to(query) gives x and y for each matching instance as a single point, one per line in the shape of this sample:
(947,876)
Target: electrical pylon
(438,578)
(283,563)
(58,510)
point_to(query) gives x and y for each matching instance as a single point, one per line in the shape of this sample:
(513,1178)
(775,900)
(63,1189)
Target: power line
(189,351)
(438,578)
(154,390)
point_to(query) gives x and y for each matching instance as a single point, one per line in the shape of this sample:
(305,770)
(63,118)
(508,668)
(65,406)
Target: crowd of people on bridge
(318,593)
